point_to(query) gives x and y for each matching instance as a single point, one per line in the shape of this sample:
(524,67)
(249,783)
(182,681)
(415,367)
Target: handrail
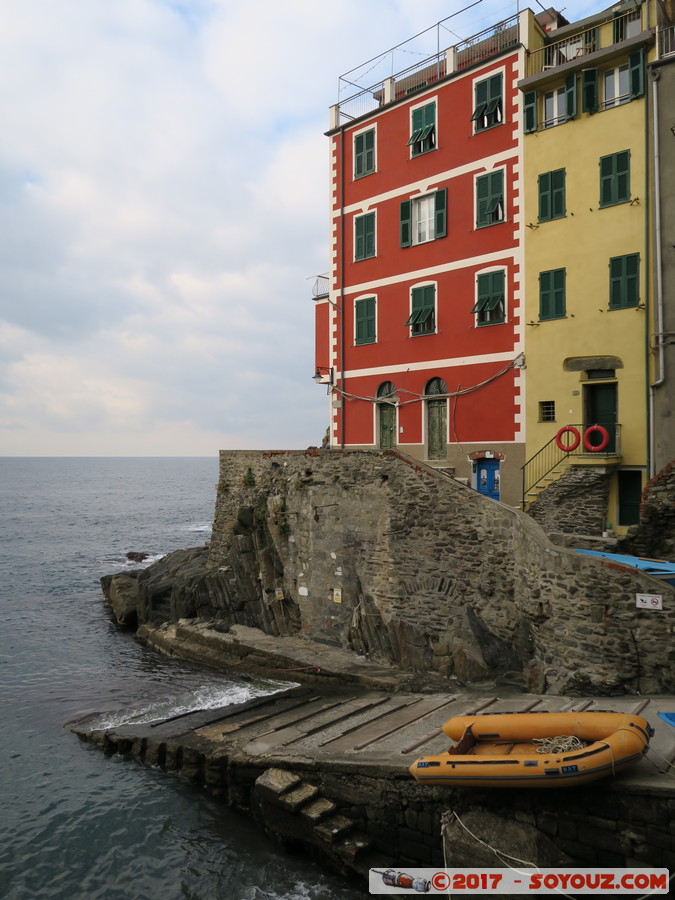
(550,456)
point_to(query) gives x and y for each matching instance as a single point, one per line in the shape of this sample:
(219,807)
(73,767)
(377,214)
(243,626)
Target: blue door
(487,477)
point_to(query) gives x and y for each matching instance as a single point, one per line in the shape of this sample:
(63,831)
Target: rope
(562,743)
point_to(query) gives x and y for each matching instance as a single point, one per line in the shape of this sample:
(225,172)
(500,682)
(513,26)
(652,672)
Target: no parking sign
(649,601)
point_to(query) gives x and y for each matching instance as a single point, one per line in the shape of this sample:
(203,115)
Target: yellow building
(586,217)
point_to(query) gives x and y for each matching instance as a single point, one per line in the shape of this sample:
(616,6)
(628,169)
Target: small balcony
(666,41)
(601,35)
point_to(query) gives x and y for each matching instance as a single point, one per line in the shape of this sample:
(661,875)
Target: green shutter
(571,96)
(441,213)
(481,95)
(557,193)
(623,176)
(364,153)
(365,320)
(359,155)
(530,111)
(489,198)
(615,178)
(636,73)
(624,281)
(365,237)
(552,294)
(406,223)
(482,199)
(421,318)
(545,197)
(589,90)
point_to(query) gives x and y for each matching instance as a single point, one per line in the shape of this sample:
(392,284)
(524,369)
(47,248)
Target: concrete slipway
(323,765)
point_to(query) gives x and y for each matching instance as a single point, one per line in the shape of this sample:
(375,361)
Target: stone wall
(576,503)
(374,551)
(654,537)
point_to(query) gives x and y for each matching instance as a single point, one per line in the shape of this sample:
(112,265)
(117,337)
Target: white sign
(649,601)
(337,595)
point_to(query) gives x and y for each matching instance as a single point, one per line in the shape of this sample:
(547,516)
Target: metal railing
(431,68)
(666,41)
(494,40)
(551,456)
(585,42)
(321,286)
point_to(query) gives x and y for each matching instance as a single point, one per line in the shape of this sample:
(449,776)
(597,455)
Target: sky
(164,208)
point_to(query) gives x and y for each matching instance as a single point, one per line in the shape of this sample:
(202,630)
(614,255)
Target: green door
(630,496)
(387,415)
(601,406)
(437,429)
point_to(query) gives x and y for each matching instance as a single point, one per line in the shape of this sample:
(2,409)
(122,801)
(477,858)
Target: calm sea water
(74,823)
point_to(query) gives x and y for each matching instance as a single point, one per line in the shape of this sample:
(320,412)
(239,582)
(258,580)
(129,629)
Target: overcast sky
(163,206)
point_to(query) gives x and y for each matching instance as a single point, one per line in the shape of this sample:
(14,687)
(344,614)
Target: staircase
(549,463)
(293,808)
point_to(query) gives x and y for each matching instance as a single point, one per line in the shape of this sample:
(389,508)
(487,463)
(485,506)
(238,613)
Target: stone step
(334,828)
(352,846)
(298,796)
(275,782)
(318,809)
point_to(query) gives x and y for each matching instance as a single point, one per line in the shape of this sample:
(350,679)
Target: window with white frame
(555,108)
(424,218)
(616,87)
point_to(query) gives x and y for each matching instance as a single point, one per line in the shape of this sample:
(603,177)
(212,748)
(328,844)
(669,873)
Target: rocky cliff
(397,561)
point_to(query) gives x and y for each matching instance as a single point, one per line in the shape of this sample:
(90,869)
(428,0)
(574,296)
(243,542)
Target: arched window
(435,386)
(386,391)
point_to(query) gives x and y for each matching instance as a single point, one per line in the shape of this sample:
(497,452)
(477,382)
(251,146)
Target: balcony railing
(551,456)
(611,31)
(430,69)
(666,41)
(321,286)
(488,43)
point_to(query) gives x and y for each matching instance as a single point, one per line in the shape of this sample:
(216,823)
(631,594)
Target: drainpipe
(342,289)
(655,74)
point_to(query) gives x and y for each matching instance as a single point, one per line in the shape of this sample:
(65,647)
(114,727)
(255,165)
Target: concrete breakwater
(377,553)
(324,768)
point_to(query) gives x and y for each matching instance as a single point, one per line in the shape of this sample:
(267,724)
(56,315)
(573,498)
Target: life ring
(576,438)
(604,438)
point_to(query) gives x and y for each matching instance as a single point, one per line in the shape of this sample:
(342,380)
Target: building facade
(589,268)
(501,294)
(420,333)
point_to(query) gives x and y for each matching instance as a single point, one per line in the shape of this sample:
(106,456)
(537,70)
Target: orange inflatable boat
(535,749)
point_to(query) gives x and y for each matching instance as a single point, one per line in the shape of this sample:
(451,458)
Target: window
(490,199)
(422,318)
(364,153)
(615,178)
(615,84)
(423,129)
(489,307)
(624,281)
(552,195)
(554,108)
(364,236)
(364,321)
(488,105)
(552,294)
(424,218)
(547,410)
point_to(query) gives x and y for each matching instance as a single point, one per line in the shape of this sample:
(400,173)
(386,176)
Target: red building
(419,335)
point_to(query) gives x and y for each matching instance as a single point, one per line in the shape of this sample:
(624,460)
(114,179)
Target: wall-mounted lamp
(324,375)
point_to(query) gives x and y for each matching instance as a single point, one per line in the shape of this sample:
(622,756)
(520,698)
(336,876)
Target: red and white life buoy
(574,443)
(604,438)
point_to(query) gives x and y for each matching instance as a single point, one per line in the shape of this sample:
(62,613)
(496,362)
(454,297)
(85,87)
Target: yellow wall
(583,242)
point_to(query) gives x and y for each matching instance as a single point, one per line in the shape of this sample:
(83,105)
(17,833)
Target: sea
(75,823)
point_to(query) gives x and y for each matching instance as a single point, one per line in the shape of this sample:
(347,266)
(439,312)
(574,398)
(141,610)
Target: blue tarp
(667,717)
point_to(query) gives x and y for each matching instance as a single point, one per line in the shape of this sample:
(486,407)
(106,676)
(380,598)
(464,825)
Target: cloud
(163,200)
